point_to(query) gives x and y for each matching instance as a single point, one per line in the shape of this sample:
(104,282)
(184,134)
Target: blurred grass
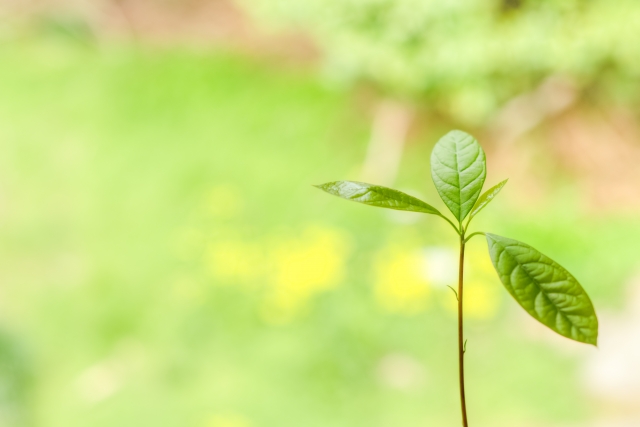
(125,173)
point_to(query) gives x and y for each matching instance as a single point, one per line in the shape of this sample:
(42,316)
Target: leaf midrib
(458,172)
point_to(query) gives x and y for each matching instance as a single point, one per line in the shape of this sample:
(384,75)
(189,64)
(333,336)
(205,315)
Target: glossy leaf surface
(487,197)
(458,169)
(544,289)
(376,195)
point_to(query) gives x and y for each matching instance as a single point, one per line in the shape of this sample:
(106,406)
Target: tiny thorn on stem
(454,291)
(464,349)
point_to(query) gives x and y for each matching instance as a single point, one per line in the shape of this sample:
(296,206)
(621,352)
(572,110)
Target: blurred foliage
(165,260)
(15,382)
(467,58)
(65,26)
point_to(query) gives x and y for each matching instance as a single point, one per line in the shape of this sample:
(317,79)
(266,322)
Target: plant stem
(461,349)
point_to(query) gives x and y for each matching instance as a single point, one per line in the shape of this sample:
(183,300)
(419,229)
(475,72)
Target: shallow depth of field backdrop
(165,261)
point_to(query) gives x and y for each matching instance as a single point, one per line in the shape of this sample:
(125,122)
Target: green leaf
(487,197)
(458,169)
(544,289)
(376,195)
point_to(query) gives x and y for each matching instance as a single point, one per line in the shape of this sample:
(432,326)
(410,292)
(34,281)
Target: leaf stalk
(458,230)
(477,233)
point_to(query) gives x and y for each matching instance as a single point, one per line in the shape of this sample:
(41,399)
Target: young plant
(541,286)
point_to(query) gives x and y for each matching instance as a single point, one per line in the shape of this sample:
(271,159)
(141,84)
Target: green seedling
(541,286)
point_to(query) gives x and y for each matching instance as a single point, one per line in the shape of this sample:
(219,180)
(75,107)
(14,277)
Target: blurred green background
(165,261)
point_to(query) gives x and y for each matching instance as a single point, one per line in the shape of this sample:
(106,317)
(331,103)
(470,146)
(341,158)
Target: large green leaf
(376,195)
(458,169)
(487,197)
(544,289)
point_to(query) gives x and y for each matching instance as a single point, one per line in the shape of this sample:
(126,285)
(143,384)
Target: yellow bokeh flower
(399,281)
(291,268)
(303,266)
(482,289)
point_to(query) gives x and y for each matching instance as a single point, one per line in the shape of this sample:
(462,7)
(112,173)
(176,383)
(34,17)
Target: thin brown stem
(461,349)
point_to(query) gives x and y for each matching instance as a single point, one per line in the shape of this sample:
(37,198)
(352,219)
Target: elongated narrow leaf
(544,289)
(458,169)
(487,197)
(376,195)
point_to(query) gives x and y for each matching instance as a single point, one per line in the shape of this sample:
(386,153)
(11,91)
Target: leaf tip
(322,187)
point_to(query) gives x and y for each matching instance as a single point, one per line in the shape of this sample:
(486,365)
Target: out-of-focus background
(164,260)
